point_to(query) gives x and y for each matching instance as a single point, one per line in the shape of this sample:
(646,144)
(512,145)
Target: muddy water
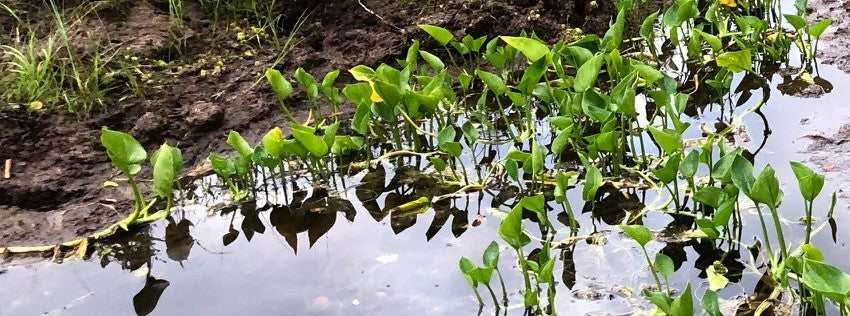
(339,253)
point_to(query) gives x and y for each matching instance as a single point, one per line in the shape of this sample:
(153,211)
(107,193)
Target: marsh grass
(48,69)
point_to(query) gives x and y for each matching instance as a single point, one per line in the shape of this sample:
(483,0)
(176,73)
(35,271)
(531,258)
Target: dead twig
(379,17)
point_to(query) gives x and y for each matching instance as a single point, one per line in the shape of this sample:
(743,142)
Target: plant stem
(652,268)
(140,200)
(478,297)
(504,289)
(779,233)
(764,231)
(493,295)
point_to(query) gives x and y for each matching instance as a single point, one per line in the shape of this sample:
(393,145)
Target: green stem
(764,231)
(478,297)
(140,200)
(652,268)
(808,206)
(524,270)
(493,295)
(779,232)
(504,289)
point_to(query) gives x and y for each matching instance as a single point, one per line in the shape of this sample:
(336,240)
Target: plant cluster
(128,156)
(600,111)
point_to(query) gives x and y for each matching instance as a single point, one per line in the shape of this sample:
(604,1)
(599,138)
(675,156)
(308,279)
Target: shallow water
(351,258)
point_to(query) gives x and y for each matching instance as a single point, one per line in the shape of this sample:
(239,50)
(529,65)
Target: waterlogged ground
(352,258)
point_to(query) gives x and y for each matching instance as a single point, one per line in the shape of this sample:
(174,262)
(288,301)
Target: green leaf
(493,82)
(562,183)
(742,174)
(812,252)
(279,84)
(647,28)
(680,12)
(439,164)
(669,140)
(587,73)
(433,60)
(649,74)
(659,299)
(491,255)
(668,173)
(308,82)
(711,196)
(483,275)
(446,135)
(467,268)
(512,169)
(710,303)
(362,73)
(624,95)
(614,36)
(592,182)
(222,166)
(273,143)
(330,78)
(167,162)
(307,138)
(511,229)
(561,141)
(683,305)
(690,164)
(713,41)
(330,133)
(720,171)
(664,265)
(470,132)
(125,151)
(536,204)
(235,140)
(639,233)
(538,156)
(531,298)
(531,76)
(531,48)
(724,213)
(707,226)
(546,274)
(452,148)
(766,188)
(819,27)
(798,22)
(823,278)
(443,36)
(735,61)
(810,182)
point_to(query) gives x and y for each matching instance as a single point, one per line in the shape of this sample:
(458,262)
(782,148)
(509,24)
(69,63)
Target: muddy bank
(193,95)
(832,49)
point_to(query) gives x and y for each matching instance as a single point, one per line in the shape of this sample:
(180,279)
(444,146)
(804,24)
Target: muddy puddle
(296,250)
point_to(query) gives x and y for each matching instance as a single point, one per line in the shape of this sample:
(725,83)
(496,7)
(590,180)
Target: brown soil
(833,45)
(56,191)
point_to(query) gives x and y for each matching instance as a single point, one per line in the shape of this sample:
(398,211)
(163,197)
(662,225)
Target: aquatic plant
(127,155)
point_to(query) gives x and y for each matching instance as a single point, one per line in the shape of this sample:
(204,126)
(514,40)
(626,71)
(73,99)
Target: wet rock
(147,125)
(205,116)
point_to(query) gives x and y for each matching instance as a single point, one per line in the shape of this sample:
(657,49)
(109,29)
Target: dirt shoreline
(56,192)
(832,49)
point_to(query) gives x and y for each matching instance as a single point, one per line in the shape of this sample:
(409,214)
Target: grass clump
(46,72)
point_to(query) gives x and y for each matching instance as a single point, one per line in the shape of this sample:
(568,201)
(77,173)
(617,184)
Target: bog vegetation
(565,121)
